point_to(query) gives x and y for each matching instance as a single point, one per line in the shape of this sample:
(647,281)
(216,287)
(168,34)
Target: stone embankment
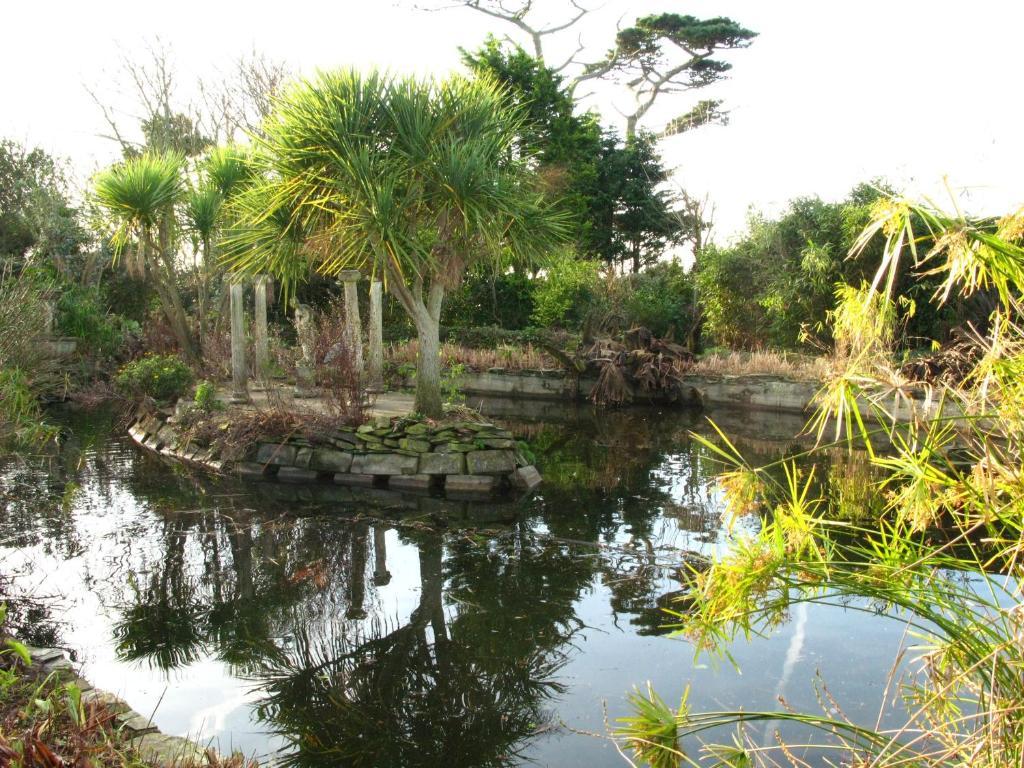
(135,730)
(462,460)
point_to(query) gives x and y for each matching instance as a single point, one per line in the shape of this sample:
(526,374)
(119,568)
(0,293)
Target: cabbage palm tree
(140,195)
(410,180)
(222,174)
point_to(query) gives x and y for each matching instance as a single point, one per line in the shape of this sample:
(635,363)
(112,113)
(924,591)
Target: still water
(323,629)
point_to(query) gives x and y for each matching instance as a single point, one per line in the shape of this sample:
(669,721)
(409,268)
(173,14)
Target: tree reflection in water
(463,680)
(289,594)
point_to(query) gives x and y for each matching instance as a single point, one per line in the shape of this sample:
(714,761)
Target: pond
(326,629)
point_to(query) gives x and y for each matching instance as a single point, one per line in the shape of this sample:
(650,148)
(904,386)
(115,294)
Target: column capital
(350,276)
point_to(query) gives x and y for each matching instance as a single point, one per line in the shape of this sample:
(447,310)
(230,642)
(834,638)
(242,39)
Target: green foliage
(82,314)
(652,731)
(21,418)
(567,145)
(139,193)
(450,384)
(161,377)
(661,298)
(35,212)
(485,298)
(25,371)
(632,218)
(205,399)
(776,284)
(563,296)
(413,180)
(610,187)
(934,534)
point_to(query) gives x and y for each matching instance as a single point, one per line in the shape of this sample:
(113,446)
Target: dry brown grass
(515,358)
(769,362)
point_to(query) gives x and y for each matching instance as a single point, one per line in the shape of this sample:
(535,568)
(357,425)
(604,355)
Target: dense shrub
(661,298)
(774,286)
(564,295)
(81,314)
(485,298)
(26,373)
(162,377)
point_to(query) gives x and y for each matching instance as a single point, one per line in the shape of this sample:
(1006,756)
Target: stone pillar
(239,367)
(305,365)
(375,372)
(353,326)
(259,332)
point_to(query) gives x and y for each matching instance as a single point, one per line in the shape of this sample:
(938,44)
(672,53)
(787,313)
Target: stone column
(375,372)
(239,367)
(381,574)
(259,332)
(353,326)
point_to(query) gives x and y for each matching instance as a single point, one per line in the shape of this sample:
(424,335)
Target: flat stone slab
(490,462)
(163,750)
(251,470)
(412,482)
(477,485)
(274,453)
(442,464)
(385,464)
(133,721)
(326,460)
(296,475)
(526,478)
(356,479)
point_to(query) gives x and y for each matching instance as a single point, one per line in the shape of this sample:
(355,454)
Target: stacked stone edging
(463,460)
(137,730)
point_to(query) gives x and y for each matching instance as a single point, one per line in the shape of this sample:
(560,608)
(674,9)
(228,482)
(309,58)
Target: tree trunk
(165,281)
(428,367)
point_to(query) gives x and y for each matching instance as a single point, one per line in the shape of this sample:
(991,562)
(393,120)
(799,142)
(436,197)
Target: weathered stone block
(326,460)
(167,437)
(526,478)
(296,475)
(481,485)
(460,447)
(355,479)
(490,462)
(442,464)
(252,470)
(421,483)
(417,429)
(416,446)
(499,442)
(344,440)
(385,464)
(303,456)
(274,453)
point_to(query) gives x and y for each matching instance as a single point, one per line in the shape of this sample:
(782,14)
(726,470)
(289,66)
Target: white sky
(829,94)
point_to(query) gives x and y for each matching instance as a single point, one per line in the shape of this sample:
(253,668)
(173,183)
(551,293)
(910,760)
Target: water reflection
(375,629)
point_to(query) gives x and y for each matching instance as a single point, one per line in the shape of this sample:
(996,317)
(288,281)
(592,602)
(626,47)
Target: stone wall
(756,392)
(461,460)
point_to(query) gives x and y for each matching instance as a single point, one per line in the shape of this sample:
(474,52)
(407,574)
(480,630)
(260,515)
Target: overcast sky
(830,93)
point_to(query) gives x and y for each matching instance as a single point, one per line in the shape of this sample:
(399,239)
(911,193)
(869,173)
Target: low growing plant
(161,377)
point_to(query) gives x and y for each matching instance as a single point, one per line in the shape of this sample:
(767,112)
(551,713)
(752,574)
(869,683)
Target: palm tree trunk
(428,368)
(426,316)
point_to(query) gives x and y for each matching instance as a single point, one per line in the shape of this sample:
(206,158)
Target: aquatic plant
(940,548)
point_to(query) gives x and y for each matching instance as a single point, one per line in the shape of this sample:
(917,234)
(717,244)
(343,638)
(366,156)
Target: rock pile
(464,459)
